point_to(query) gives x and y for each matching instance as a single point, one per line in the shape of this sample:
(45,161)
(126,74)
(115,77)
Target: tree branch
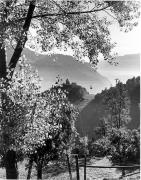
(59,14)
(68,13)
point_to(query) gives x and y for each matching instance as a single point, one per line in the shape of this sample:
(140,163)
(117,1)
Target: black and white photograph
(70,89)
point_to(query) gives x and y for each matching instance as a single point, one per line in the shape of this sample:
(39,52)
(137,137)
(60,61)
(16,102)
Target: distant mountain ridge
(128,67)
(65,66)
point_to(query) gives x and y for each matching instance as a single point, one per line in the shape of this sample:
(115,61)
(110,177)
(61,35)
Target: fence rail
(136,166)
(130,174)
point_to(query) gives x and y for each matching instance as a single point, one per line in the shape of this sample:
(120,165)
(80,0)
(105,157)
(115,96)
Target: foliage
(133,86)
(81,146)
(117,103)
(74,92)
(125,146)
(35,123)
(102,128)
(52,131)
(95,113)
(120,143)
(100,147)
(16,103)
(58,125)
(20,96)
(122,146)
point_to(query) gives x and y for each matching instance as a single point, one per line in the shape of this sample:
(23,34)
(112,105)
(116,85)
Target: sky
(127,43)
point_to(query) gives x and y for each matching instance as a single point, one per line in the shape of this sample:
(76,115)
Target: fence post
(69,167)
(77,167)
(85,167)
(123,172)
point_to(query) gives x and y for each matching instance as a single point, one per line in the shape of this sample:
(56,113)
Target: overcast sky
(127,43)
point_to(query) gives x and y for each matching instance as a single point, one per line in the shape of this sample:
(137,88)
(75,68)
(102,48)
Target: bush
(80,151)
(122,146)
(125,146)
(81,147)
(100,148)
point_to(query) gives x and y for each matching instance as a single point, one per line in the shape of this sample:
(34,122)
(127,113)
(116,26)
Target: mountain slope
(129,66)
(94,81)
(50,67)
(90,115)
(133,86)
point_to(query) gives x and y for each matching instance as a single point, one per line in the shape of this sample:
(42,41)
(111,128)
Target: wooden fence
(85,166)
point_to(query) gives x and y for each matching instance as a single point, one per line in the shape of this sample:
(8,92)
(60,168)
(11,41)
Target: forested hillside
(133,86)
(76,94)
(90,116)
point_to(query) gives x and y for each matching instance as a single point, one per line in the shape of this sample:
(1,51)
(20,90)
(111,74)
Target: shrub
(100,148)
(125,146)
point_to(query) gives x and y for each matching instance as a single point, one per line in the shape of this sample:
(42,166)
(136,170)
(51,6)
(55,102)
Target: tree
(16,112)
(75,92)
(52,130)
(127,151)
(102,128)
(117,104)
(80,146)
(40,125)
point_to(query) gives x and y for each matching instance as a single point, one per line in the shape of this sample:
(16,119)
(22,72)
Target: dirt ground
(58,172)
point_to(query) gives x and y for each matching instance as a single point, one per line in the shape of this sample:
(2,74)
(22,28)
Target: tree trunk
(2,61)
(11,170)
(11,165)
(10,155)
(69,167)
(39,173)
(30,168)
(11,173)
(85,163)
(77,167)
(39,170)
(21,43)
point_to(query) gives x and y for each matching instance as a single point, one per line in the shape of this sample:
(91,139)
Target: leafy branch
(58,14)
